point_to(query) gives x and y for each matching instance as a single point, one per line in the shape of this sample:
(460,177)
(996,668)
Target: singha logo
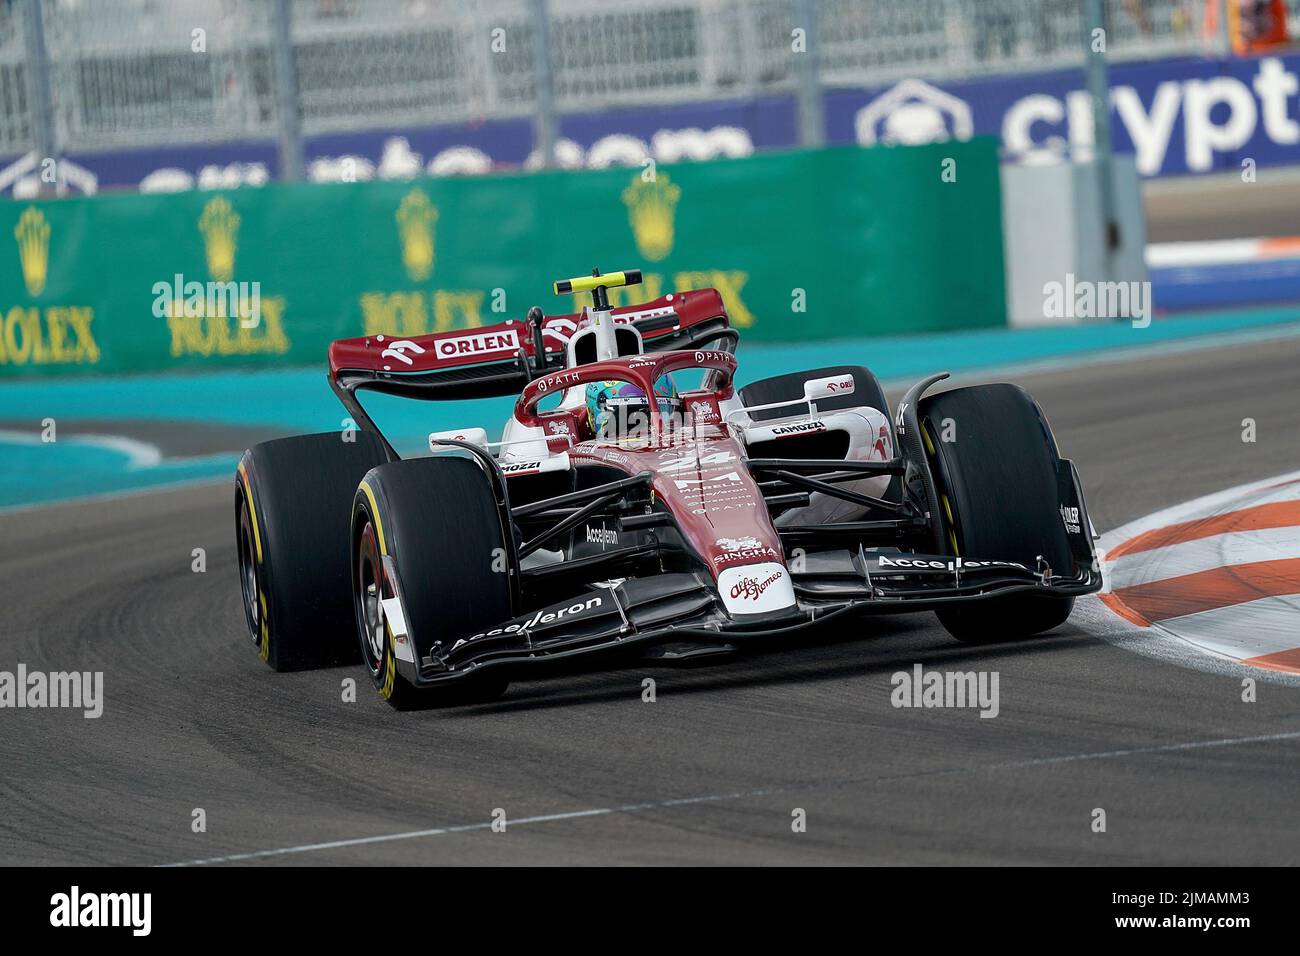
(219,223)
(650,210)
(416,217)
(33,235)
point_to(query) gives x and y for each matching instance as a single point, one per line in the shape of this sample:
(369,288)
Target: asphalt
(714,770)
(1226,206)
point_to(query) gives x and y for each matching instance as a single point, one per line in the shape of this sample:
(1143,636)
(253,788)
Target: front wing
(685,608)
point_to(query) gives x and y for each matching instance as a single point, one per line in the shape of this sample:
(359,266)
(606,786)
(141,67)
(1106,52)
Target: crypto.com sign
(1177,116)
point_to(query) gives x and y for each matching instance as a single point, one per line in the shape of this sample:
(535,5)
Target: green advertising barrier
(835,243)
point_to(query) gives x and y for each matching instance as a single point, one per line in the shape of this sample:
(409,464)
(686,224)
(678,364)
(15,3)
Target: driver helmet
(616,408)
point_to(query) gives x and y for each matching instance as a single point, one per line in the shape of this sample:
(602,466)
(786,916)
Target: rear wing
(500,359)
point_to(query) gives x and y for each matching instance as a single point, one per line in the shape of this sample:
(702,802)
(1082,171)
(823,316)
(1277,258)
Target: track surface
(1223,206)
(192,718)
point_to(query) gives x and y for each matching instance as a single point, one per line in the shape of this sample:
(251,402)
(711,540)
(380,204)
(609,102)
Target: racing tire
(438,521)
(997,485)
(291,533)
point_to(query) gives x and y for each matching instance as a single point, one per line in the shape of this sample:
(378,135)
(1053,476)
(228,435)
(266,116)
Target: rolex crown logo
(650,210)
(219,224)
(415,221)
(33,235)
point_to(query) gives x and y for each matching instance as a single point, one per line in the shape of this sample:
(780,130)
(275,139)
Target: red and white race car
(618,514)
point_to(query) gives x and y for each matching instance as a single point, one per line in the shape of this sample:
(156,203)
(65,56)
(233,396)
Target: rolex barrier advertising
(834,243)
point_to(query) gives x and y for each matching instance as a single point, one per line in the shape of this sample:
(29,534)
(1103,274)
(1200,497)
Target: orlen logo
(483,343)
(751,589)
(843,385)
(397,350)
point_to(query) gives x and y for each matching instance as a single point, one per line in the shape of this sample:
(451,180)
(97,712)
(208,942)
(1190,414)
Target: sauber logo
(751,589)
(397,350)
(802,428)
(480,344)
(1070,518)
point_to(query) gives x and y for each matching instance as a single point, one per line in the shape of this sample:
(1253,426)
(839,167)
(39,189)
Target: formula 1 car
(630,518)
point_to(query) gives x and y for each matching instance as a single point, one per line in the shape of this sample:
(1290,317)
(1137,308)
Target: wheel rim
(248,583)
(369,594)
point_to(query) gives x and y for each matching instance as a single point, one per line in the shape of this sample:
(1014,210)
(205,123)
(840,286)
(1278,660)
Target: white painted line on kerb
(718,798)
(1203,554)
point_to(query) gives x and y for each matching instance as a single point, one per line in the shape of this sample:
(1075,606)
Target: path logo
(913,113)
(651,207)
(219,224)
(33,235)
(416,217)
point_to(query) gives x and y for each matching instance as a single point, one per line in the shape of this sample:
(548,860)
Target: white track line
(1244,496)
(718,798)
(1253,629)
(1203,554)
(138,454)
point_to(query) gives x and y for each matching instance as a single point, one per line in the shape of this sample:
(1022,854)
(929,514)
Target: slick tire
(429,531)
(292,499)
(997,485)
